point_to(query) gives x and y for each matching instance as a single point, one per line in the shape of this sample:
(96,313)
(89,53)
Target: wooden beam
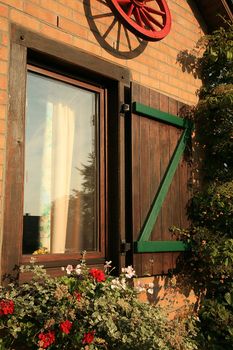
(160,246)
(167,118)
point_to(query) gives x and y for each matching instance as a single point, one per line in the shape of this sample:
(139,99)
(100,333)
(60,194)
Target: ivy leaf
(228,298)
(229,55)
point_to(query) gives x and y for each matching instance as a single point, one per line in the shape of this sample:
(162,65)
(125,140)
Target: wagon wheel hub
(138,3)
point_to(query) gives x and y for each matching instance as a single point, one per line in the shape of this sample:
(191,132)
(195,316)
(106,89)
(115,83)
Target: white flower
(123,283)
(78,269)
(115,284)
(62,268)
(128,271)
(107,264)
(69,269)
(150,291)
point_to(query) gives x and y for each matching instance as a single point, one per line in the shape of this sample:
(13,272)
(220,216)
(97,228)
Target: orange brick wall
(175,297)
(153,65)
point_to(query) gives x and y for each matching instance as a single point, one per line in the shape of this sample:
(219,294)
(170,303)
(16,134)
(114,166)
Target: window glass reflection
(60,211)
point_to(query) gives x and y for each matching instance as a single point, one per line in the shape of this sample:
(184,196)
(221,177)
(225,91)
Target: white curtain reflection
(55,187)
(63,141)
(45,191)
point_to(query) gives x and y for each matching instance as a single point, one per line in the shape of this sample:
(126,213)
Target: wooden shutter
(160,177)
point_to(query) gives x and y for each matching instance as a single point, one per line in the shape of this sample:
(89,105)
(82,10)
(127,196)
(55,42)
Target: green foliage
(217,324)
(86,310)
(214,125)
(214,112)
(213,208)
(216,65)
(210,237)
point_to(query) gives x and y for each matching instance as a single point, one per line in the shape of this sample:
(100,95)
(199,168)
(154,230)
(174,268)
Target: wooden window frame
(28,47)
(100,253)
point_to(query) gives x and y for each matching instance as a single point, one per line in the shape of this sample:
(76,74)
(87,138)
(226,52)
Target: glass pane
(60,189)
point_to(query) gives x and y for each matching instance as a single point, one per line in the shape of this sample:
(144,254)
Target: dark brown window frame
(100,253)
(29,47)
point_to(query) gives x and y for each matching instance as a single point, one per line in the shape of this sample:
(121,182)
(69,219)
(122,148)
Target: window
(64,184)
(62,174)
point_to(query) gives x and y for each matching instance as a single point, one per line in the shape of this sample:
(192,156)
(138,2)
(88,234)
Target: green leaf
(228,298)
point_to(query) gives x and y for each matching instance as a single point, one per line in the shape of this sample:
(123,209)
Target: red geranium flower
(98,275)
(65,326)
(88,337)
(6,307)
(46,339)
(78,296)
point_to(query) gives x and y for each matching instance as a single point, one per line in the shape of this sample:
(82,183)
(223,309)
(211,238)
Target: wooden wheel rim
(145,21)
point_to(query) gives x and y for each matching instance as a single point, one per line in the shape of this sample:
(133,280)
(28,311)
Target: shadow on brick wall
(110,33)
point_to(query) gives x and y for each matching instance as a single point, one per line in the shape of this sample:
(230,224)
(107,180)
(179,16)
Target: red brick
(2,154)
(3,11)
(4,39)
(2,141)
(3,24)
(41,13)
(79,18)
(26,20)
(1,187)
(74,4)
(35,1)
(56,34)
(2,126)
(58,9)
(3,67)
(3,110)
(87,46)
(73,28)
(3,97)
(3,82)
(3,53)
(14,3)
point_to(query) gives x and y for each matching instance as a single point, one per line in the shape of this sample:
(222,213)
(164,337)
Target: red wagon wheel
(148,19)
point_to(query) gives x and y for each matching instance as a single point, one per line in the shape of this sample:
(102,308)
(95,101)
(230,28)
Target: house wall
(81,24)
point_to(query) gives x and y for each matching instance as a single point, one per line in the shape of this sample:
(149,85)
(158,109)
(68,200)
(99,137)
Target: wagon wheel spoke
(130,10)
(137,15)
(152,19)
(156,12)
(147,21)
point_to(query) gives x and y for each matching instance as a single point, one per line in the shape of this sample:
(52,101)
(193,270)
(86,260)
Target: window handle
(125,247)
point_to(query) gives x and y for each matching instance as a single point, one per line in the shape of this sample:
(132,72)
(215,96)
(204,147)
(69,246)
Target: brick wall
(153,65)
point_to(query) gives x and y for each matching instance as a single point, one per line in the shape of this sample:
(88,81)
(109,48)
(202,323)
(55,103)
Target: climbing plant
(210,237)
